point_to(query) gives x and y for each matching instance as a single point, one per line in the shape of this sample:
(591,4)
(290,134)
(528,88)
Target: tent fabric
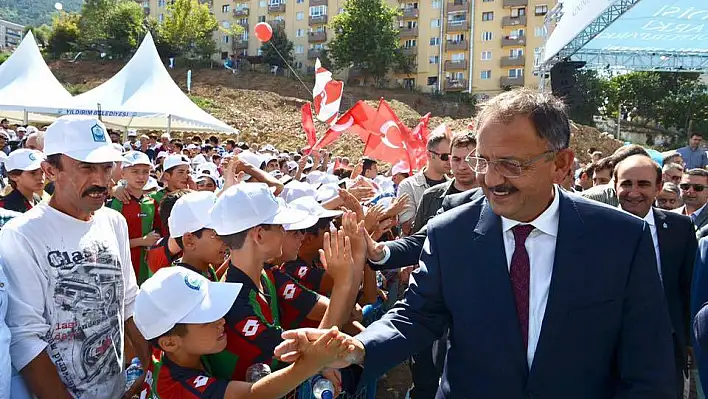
(143,95)
(27,85)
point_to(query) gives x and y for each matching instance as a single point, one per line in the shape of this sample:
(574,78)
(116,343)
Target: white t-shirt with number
(71,288)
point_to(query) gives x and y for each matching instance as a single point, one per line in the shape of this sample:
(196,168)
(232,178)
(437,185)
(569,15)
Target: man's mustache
(95,190)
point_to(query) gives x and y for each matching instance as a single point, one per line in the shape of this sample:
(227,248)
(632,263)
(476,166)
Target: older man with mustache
(71,283)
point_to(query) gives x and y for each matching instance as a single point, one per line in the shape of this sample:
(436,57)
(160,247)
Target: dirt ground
(395,384)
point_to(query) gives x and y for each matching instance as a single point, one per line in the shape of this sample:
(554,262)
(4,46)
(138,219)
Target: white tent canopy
(28,87)
(144,96)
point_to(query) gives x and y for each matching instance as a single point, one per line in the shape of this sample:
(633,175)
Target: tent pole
(25,118)
(169,124)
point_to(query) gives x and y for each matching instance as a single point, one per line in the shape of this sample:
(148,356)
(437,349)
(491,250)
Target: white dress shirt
(541,247)
(649,218)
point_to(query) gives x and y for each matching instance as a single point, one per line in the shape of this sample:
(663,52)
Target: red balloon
(263,31)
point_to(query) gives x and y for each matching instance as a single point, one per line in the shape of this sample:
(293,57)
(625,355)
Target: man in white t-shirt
(71,283)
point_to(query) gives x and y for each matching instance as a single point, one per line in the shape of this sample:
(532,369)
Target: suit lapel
(566,280)
(488,237)
(663,234)
(701,219)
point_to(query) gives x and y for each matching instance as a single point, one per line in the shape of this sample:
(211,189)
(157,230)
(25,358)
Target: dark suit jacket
(406,251)
(677,252)
(430,204)
(699,297)
(606,331)
(702,224)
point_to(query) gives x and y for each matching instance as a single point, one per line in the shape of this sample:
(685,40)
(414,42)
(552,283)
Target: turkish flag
(389,137)
(326,95)
(418,142)
(308,125)
(356,120)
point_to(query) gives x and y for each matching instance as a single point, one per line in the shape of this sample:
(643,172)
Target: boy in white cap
(192,228)
(182,313)
(175,175)
(24,170)
(249,219)
(71,284)
(141,212)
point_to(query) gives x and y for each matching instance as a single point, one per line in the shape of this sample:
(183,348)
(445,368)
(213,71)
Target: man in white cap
(71,284)
(132,143)
(24,170)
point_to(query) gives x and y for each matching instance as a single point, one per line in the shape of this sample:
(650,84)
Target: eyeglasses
(505,167)
(696,187)
(443,156)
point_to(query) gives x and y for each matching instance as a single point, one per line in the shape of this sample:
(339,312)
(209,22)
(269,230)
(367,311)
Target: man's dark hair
(55,161)
(214,140)
(367,163)
(231,141)
(168,202)
(179,330)
(322,224)
(236,240)
(4,121)
(604,163)
(697,172)
(463,140)
(196,138)
(179,146)
(434,141)
(699,134)
(206,148)
(546,112)
(627,151)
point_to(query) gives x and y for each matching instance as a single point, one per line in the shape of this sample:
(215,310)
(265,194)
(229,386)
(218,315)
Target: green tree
(34,12)
(65,34)
(188,29)
(594,91)
(125,28)
(41,34)
(285,47)
(95,16)
(366,38)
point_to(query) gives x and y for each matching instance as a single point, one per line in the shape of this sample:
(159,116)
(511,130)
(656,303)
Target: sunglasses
(696,187)
(443,156)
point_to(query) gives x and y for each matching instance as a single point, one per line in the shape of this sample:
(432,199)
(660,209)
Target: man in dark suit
(534,309)
(638,180)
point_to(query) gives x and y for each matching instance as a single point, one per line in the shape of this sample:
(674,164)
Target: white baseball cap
(132,133)
(82,138)
(192,147)
(162,154)
(24,159)
(191,213)
(174,160)
(248,205)
(199,159)
(315,178)
(327,192)
(295,189)
(209,167)
(203,176)
(132,158)
(400,167)
(165,136)
(312,207)
(177,295)
(292,165)
(151,184)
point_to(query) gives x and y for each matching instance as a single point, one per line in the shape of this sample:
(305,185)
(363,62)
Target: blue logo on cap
(32,157)
(98,134)
(193,282)
(136,155)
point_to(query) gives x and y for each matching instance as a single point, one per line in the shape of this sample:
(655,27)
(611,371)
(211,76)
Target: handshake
(306,342)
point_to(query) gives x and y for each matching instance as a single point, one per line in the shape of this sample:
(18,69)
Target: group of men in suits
(543,293)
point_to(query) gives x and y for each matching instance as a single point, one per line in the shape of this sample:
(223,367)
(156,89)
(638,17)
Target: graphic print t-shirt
(71,287)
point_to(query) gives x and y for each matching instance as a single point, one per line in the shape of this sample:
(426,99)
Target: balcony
(243,23)
(514,21)
(318,20)
(317,37)
(458,5)
(513,61)
(315,3)
(515,3)
(456,45)
(313,53)
(409,13)
(455,85)
(239,44)
(410,51)
(455,65)
(506,81)
(457,26)
(241,13)
(408,32)
(513,41)
(277,24)
(276,8)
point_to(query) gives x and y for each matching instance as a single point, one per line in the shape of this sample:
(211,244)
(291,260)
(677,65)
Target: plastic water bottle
(133,373)
(322,388)
(257,371)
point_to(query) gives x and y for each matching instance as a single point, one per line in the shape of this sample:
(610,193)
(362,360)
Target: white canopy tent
(28,88)
(144,96)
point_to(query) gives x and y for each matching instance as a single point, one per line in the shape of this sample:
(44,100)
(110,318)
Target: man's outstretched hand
(297,341)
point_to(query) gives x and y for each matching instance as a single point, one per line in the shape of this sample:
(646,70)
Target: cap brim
(306,223)
(327,213)
(101,154)
(215,305)
(33,166)
(286,215)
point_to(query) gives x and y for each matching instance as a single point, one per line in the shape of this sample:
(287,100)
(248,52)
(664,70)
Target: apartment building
(478,46)
(10,34)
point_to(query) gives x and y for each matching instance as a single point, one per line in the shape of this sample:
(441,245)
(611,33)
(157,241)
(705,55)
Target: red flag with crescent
(326,95)
(308,125)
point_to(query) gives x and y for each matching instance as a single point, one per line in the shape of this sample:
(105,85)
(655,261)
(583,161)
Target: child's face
(291,244)
(209,247)
(136,176)
(204,339)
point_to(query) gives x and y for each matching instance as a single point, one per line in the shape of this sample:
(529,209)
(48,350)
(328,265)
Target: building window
(486,74)
(300,16)
(486,55)
(225,24)
(341,10)
(517,33)
(516,73)
(434,41)
(161,3)
(488,16)
(225,8)
(261,18)
(539,31)
(487,36)
(410,43)
(436,4)
(541,9)
(537,56)
(434,23)
(516,53)
(434,59)
(487,1)
(262,4)
(225,39)
(432,80)
(300,1)
(518,12)
(318,11)
(299,49)
(457,57)
(299,33)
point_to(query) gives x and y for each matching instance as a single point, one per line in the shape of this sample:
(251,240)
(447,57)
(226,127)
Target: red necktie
(520,273)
